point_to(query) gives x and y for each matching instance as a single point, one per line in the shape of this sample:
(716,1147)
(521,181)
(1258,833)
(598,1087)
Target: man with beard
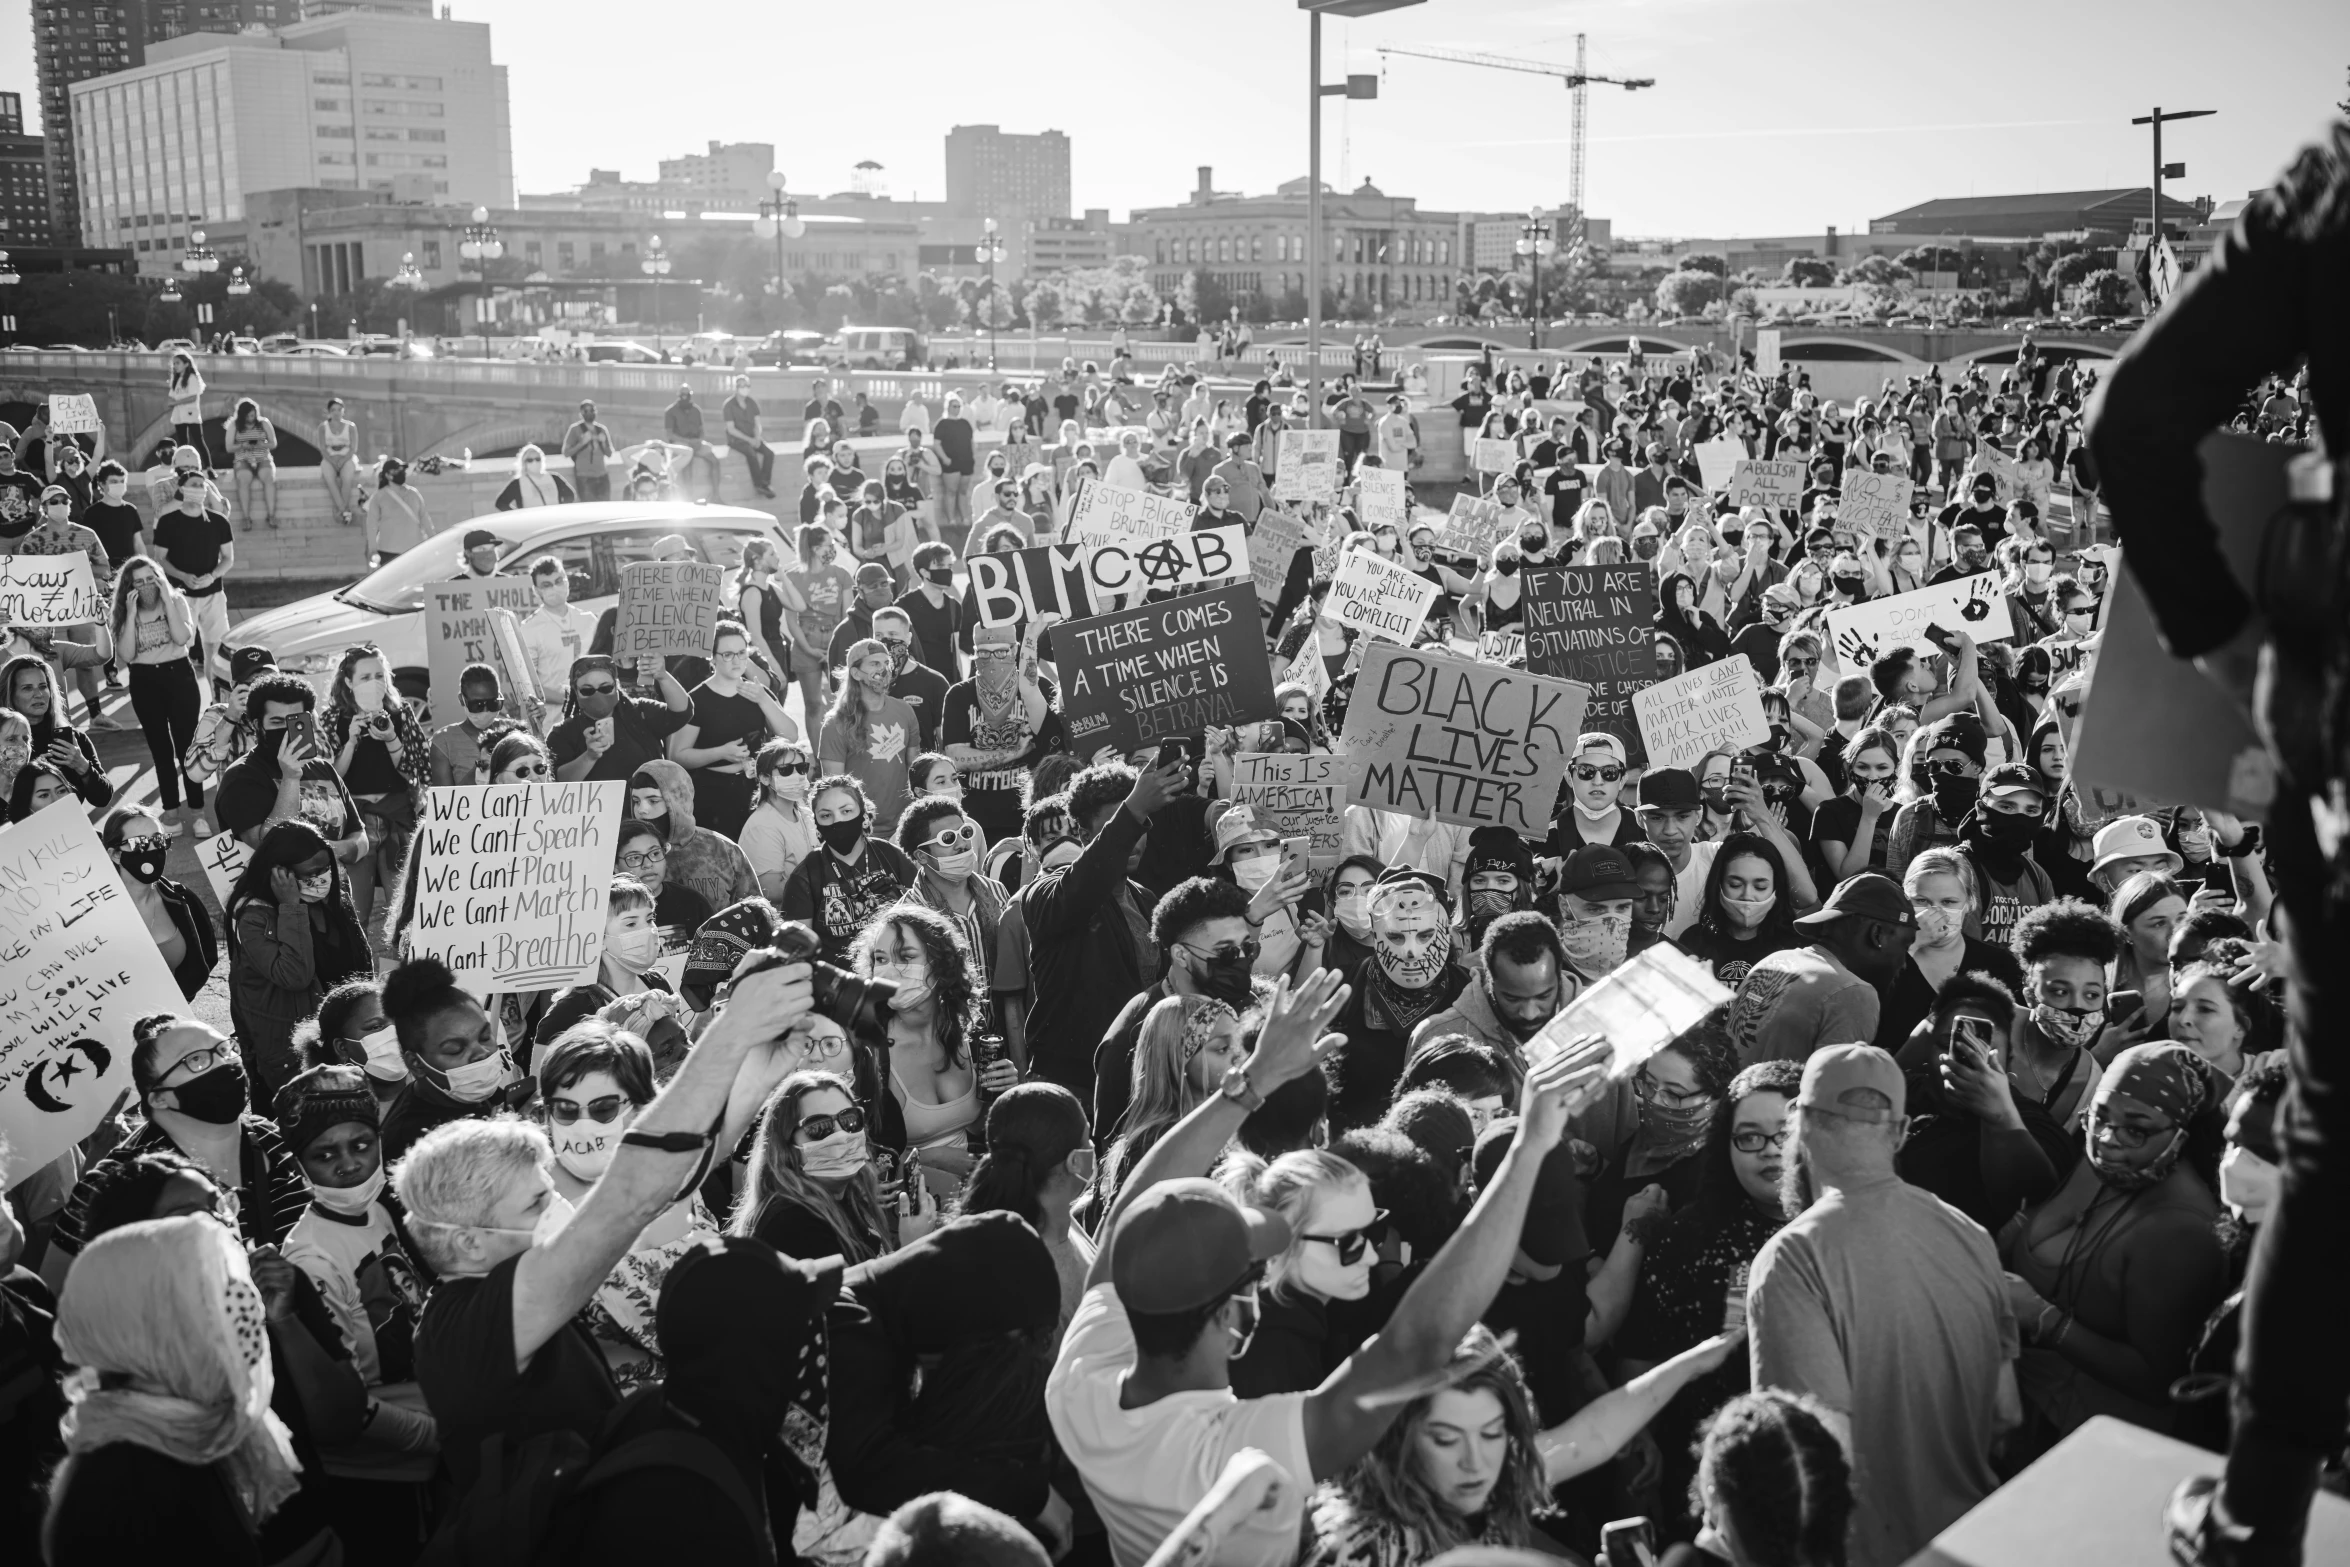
(1888,1306)
(608,735)
(1996,837)
(1409,978)
(1794,1002)
(911,681)
(1520,982)
(997,725)
(1970,557)
(1499,879)
(1596,893)
(1206,948)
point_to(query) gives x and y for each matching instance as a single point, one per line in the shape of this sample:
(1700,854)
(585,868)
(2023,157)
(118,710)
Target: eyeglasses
(827,1047)
(1225,952)
(1756,1142)
(636,862)
(198,1062)
(816,1128)
(1655,1092)
(1351,1245)
(1585,772)
(601,688)
(483,704)
(952,838)
(600,1110)
(2123,1135)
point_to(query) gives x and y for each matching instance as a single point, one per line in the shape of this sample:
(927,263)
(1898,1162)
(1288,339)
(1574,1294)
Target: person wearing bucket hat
(1886,1305)
(2127,845)
(1792,1002)
(1246,850)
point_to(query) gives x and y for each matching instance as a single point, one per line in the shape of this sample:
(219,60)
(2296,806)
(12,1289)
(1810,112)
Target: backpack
(526,1506)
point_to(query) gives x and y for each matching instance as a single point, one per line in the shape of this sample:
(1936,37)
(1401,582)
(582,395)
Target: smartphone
(1734,1300)
(1972,1034)
(1941,638)
(1295,860)
(1170,751)
(305,725)
(1628,1542)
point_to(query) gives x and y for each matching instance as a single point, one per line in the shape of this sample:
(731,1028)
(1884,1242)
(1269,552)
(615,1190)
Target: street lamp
(1352,87)
(480,243)
(237,286)
(1537,245)
(656,267)
(779,219)
(990,251)
(408,276)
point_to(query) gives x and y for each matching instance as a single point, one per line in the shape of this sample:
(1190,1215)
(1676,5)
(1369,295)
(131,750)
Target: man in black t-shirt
(113,518)
(936,614)
(1473,405)
(1980,510)
(821,405)
(608,735)
(196,548)
(915,683)
(286,776)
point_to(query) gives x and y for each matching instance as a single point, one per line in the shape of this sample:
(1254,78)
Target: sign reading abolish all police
(1596,625)
(48,590)
(1076,581)
(512,881)
(1683,718)
(1865,632)
(1106,514)
(1447,740)
(77,968)
(1373,595)
(1164,669)
(1768,482)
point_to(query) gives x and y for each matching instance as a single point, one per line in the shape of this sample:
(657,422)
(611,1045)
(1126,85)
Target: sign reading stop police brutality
(1452,741)
(1683,718)
(1076,581)
(512,881)
(1106,514)
(1761,482)
(77,968)
(1875,503)
(1306,465)
(1375,596)
(1595,625)
(1865,632)
(48,590)
(1170,668)
(666,607)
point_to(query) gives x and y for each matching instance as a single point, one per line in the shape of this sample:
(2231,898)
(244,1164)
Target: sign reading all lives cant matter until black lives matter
(1296,796)
(512,881)
(1452,741)
(1683,718)
(77,968)
(1376,597)
(1596,625)
(48,590)
(1076,581)
(667,607)
(1170,668)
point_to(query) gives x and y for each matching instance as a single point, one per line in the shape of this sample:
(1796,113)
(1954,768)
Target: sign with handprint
(1860,634)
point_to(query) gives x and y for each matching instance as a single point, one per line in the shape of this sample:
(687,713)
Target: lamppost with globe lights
(1537,244)
(408,280)
(779,219)
(656,267)
(990,251)
(480,243)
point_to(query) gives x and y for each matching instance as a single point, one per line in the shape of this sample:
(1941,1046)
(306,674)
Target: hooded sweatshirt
(699,859)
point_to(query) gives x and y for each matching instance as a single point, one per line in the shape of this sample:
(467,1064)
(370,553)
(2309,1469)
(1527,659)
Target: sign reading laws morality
(1448,740)
(512,881)
(48,590)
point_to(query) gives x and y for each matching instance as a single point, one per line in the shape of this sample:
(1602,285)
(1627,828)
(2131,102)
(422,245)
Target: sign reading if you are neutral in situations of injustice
(1596,625)
(512,881)
(1171,668)
(1448,740)
(1078,581)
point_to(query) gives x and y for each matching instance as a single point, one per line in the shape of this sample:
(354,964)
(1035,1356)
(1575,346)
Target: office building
(730,177)
(1069,244)
(2108,215)
(1384,251)
(995,174)
(361,100)
(24,178)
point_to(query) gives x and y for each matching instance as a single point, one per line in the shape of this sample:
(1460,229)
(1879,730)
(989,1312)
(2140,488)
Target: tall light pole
(779,219)
(480,243)
(656,267)
(2162,170)
(1352,87)
(1537,246)
(991,251)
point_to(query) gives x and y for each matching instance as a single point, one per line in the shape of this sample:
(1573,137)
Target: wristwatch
(1240,1090)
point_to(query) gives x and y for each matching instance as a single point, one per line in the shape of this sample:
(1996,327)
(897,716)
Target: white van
(876,348)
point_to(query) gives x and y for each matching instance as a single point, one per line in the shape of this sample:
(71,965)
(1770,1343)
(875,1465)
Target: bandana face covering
(2065,1027)
(1595,945)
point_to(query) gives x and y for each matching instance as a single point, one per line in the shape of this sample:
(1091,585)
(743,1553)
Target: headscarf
(2163,1076)
(169,1305)
(1202,1016)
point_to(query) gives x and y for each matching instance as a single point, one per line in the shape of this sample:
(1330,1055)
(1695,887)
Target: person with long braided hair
(1773,1486)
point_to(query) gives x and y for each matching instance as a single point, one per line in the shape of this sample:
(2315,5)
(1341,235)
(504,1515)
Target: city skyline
(1784,119)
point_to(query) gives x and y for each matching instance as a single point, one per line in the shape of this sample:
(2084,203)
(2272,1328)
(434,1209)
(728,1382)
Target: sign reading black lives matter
(1164,669)
(1595,625)
(512,881)
(1076,581)
(1447,740)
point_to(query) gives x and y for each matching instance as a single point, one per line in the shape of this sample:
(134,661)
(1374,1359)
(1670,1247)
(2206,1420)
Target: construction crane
(1578,79)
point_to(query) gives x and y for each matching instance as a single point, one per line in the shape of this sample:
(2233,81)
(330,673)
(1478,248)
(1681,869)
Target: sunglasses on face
(482,704)
(816,1128)
(1585,772)
(952,838)
(601,688)
(602,1111)
(786,769)
(142,845)
(532,770)
(1756,1142)
(1225,952)
(1948,767)
(1351,1245)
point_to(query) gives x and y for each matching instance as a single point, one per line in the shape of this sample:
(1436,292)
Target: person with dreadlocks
(1410,976)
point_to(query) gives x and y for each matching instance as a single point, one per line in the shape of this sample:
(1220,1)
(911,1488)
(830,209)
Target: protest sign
(1865,632)
(1473,527)
(666,607)
(1446,740)
(459,629)
(1502,647)
(1278,539)
(1875,503)
(1378,598)
(74,413)
(77,968)
(1595,625)
(1379,497)
(1766,351)
(512,881)
(1489,455)
(1683,718)
(1757,482)
(223,857)
(1296,796)
(1105,514)
(1078,581)
(48,590)
(1307,668)
(1306,465)
(1717,462)
(1158,670)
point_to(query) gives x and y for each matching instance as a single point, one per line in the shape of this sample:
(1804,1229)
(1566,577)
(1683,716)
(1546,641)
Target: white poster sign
(1379,496)
(1305,466)
(74,413)
(1875,504)
(1863,633)
(513,881)
(1683,718)
(1106,514)
(1378,598)
(1717,462)
(224,858)
(48,590)
(1766,351)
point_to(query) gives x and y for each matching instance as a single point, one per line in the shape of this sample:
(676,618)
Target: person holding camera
(383,757)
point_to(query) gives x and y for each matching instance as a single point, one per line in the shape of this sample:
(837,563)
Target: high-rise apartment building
(994,174)
(24,178)
(730,177)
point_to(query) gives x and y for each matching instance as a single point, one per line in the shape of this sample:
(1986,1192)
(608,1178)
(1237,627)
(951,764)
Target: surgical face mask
(315,888)
(1747,913)
(1936,924)
(475,1081)
(2065,1026)
(790,786)
(350,1201)
(634,950)
(912,980)
(1595,945)
(1354,913)
(834,1158)
(585,1148)
(1911,561)
(2247,1183)
(2036,573)
(952,867)
(380,1048)
(1256,872)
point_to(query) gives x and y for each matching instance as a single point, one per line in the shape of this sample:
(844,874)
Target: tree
(1687,293)
(1045,302)
(1929,258)
(1202,299)
(1809,272)
(2106,292)
(1719,266)
(1876,271)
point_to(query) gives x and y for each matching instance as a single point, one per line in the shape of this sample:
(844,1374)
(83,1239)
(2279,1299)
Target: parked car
(796,346)
(621,352)
(877,348)
(177,345)
(310,349)
(593,541)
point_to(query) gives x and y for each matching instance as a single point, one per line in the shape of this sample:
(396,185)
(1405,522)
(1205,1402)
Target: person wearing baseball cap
(1792,1002)
(1596,889)
(1884,1303)
(1671,809)
(874,589)
(481,553)
(2127,845)
(1140,1393)
(1997,837)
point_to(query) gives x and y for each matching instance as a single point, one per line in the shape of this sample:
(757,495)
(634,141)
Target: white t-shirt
(363,1275)
(773,844)
(1689,887)
(1125,473)
(551,639)
(1145,1468)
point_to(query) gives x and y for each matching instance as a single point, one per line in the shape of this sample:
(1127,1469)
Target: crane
(1578,79)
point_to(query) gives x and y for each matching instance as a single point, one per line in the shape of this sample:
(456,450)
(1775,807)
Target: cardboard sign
(1305,466)
(459,629)
(1307,668)
(1172,668)
(1507,648)
(1876,504)
(224,858)
(1105,514)
(1297,796)
(1278,538)
(1683,718)
(1446,740)
(1378,598)
(1766,351)
(1489,455)
(666,607)
(1717,462)
(74,413)
(1863,633)
(1774,483)
(1079,581)
(1474,526)
(1380,497)
(512,881)
(1595,625)
(77,968)
(49,590)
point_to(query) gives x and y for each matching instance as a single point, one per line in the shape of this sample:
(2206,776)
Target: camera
(862,1006)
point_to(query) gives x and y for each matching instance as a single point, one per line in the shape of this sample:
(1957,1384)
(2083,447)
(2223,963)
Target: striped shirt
(272,1192)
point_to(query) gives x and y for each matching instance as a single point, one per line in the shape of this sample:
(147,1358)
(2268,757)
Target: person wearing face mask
(180,925)
(1591,804)
(2249,1178)
(2112,1277)
(1997,837)
(1498,879)
(1946,779)
(2031,597)
(1202,932)
(934,1093)
(606,734)
(869,734)
(1596,892)
(1290,937)
(350,1029)
(454,754)
(393,518)
(1940,884)
(1040,1160)
(946,846)
(811,1186)
(459,1067)
(1349,891)
(1970,556)
(1699,635)
(1794,1002)
(292,937)
(696,860)
(780,833)
(1979,1139)
(1410,977)
(1747,913)
(632,948)
(855,876)
(933,611)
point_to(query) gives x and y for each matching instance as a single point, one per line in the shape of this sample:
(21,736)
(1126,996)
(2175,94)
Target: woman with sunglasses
(1334,1232)
(947,849)
(136,840)
(293,935)
(454,755)
(1039,1162)
(811,1189)
(520,758)
(780,832)
(632,946)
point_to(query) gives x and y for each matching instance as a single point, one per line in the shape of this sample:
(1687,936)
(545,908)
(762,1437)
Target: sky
(1768,116)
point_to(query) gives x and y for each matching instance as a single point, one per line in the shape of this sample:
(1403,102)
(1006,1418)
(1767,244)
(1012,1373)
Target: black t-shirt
(639,725)
(991,797)
(923,689)
(1473,406)
(1731,959)
(719,719)
(681,906)
(954,436)
(413,1113)
(117,527)
(249,788)
(1991,523)
(195,544)
(935,627)
(1838,820)
(465,1365)
(1549,1317)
